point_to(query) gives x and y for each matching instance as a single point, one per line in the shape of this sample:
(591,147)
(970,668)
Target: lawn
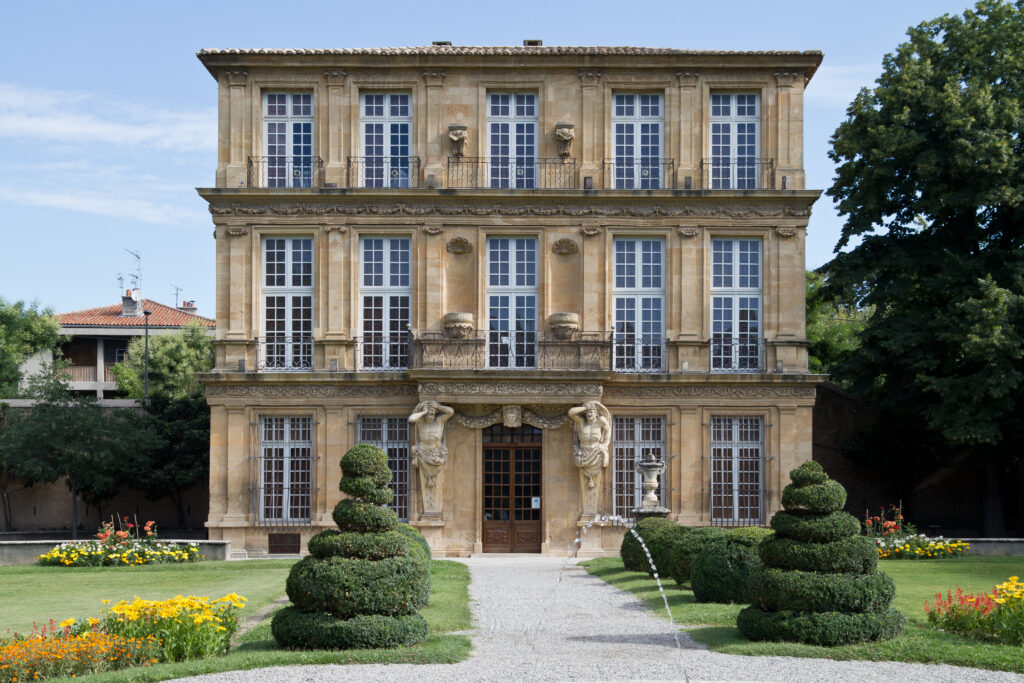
(30,593)
(916,581)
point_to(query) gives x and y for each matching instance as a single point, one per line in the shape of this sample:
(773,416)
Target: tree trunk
(993,521)
(5,495)
(179,504)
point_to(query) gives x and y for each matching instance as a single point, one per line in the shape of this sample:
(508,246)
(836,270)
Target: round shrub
(314,630)
(778,590)
(821,498)
(333,543)
(810,472)
(819,628)
(721,571)
(366,489)
(749,535)
(682,553)
(354,515)
(414,535)
(348,587)
(658,534)
(364,460)
(814,528)
(851,555)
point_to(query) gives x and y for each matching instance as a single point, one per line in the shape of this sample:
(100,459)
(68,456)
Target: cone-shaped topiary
(820,584)
(361,586)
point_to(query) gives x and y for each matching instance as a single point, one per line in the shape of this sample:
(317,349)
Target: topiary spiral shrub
(722,570)
(659,536)
(820,584)
(361,585)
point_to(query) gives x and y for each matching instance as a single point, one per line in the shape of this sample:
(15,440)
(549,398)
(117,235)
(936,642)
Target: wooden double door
(512,489)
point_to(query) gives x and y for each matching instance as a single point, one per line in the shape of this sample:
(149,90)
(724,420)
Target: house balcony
(511,173)
(512,350)
(736,354)
(383,352)
(83,373)
(276,353)
(737,173)
(639,173)
(637,353)
(297,172)
(383,172)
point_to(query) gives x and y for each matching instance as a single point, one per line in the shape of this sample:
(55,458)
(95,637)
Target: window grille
(284,493)
(737,471)
(391,434)
(632,439)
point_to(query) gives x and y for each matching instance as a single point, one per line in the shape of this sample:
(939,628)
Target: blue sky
(108,121)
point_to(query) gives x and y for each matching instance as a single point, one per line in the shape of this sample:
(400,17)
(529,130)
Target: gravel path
(537,619)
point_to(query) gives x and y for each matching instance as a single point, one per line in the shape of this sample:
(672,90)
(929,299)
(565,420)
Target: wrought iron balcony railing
(386,172)
(383,352)
(736,354)
(510,350)
(511,173)
(638,173)
(638,353)
(285,171)
(277,353)
(737,173)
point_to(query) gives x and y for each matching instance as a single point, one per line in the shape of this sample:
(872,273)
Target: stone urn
(650,468)
(458,325)
(564,326)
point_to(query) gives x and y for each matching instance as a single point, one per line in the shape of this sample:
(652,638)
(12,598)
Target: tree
(173,360)
(24,330)
(930,179)
(832,327)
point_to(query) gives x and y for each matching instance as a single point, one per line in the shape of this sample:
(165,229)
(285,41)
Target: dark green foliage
(414,535)
(658,535)
(833,327)
(820,499)
(366,490)
(24,330)
(174,360)
(819,628)
(721,571)
(347,587)
(809,473)
(299,630)
(352,515)
(812,592)
(853,555)
(682,553)
(819,529)
(363,460)
(331,543)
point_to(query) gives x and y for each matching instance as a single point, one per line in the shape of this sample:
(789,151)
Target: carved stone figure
(458,134)
(593,425)
(565,133)
(430,452)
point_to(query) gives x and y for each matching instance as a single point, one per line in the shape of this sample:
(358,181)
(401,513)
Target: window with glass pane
(737,465)
(736,305)
(288,139)
(639,297)
(386,295)
(512,140)
(735,121)
(512,302)
(637,126)
(391,435)
(287,303)
(387,125)
(285,470)
(634,438)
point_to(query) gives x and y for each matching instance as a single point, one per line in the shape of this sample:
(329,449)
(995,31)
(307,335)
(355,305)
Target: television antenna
(177,291)
(137,275)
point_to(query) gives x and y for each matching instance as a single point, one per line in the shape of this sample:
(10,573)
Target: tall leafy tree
(832,326)
(173,361)
(24,330)
(930,180)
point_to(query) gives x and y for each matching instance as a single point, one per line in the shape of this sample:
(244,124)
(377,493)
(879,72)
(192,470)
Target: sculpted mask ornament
(430,454)
(458,134)
(458,325)
(592,423)
(565,133)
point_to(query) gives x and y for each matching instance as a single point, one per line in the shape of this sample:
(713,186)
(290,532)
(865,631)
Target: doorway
(512,489)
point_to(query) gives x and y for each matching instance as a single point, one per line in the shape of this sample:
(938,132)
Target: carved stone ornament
(237,78)
(590,78)
(512,413)
(334,228)
(458,135)
(430,452)
(335,77)
(458,325)
(507,388)
(431,229)
(565,247)
(593,429)
(590,230)
(433,78)
(311,390)
(564,326)
(642,392)
(787,78)
(565,133)
(785,232)
(687,233)
(512,416)
(459,245)
(687,79)
(238,230)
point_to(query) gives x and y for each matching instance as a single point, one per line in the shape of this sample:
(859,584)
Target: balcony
(284,354)
(285,171)
(384,172)
(82,373)
(638,353)
(638,173)
(737,173)
(510,350)
(736,354)
(383,353)
(511,173)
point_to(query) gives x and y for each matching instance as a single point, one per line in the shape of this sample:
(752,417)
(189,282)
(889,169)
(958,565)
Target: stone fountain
(650,468)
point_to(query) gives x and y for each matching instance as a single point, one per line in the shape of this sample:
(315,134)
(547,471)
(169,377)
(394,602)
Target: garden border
(28,552)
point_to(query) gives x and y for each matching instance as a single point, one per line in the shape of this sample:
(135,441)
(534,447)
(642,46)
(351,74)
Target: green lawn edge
(714,625)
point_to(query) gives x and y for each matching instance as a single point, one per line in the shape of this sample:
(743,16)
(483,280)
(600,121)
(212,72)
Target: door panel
(512,490)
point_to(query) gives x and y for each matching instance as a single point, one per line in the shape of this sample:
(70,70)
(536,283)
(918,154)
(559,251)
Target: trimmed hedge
(778,590)
(851,555)
(354,515)
(333,543)
(819,628)
(818,529)
(810,472)
(363,460)
(366,489)
(721,571)
(823,498)
(295,629)
(658,535)
(346,587)
(414,535)
(682,553)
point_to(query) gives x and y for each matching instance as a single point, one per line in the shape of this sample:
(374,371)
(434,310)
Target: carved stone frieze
(565,247)
(509,388)
(512,416)
(310,390)
(459,245)
(707,392)
(687,233)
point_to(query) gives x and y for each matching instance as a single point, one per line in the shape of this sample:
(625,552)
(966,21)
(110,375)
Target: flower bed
(60,653)
(896,539)
(997,616)
(131,545)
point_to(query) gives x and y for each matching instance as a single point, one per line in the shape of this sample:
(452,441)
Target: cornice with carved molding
(619,391)
(310,390)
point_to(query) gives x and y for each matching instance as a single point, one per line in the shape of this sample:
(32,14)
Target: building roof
(110,316)
(508,50)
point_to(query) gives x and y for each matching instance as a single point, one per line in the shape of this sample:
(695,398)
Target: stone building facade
(444,250)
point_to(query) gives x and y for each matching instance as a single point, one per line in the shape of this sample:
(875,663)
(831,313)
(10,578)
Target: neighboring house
(510,232)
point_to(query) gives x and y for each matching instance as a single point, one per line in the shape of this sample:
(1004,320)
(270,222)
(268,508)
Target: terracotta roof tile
(110,316)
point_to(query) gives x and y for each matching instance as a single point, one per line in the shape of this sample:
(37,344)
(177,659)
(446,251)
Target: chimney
(188,307)
(131,304)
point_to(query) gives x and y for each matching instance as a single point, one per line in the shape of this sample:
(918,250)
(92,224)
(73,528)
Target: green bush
(682,552)
(295,629)
(818,529)
(364,460)
(334,543)
(658,535)
(414,535)
(354,515)
(749,535)
(778,590)
(823,498)
(819,628)
(721,571)
(367,490)
(347,587)
(810,472)
(851,555)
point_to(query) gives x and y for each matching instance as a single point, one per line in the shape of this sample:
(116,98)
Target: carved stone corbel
(785,79)
(590,229)
(237,230)
(433,78)
(589,78)
(687,79)
(785,232)
(236,78)
(431,229)
(340,229)
(335,78)
(565,247)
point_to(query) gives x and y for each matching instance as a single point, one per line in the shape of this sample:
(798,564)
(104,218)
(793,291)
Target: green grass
(916,581)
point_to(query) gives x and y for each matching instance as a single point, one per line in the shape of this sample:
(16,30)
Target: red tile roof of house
(110,316)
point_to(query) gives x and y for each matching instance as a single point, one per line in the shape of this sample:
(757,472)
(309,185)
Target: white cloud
(81,118)
(836,86)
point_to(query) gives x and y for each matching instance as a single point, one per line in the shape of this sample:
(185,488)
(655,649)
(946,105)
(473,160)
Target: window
(633,439)
(287,304)
(386,123)
(736,470)
(512,302)
(735,142)
(512,140)
(386,293)
(637,123)
(285,489)
(391,434)
(639,294)
(735,305)
(288,140)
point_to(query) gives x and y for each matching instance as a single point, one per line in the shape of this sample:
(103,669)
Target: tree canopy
(832,326)
(24,330)
(173,360)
